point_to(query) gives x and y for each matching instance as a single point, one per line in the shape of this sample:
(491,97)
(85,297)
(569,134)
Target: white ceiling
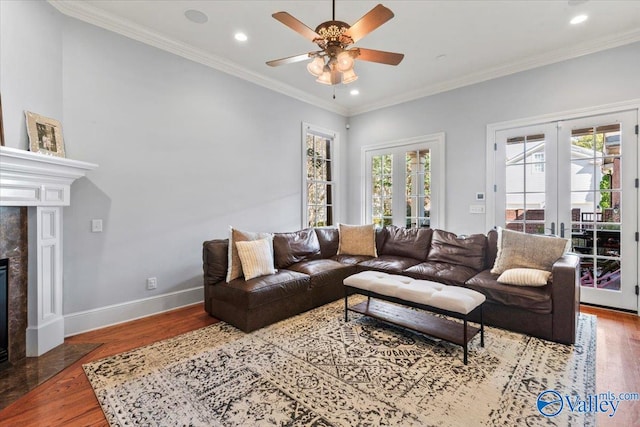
(481,40)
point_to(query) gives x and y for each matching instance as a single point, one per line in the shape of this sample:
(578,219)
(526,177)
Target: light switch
(476,209)
(96,226)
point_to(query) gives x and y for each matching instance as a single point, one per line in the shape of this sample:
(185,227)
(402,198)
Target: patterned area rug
(314,369)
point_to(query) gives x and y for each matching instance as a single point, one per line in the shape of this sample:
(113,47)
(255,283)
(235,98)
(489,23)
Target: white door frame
(549,118)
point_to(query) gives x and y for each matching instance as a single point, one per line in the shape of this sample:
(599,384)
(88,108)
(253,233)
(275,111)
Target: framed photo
(45,135)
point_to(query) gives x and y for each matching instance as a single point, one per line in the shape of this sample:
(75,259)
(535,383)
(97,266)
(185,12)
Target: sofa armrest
(215,259)
(565,294)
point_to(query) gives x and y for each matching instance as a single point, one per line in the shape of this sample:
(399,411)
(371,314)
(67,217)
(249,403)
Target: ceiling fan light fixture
(349,76)
(325,78)
(316,67)
(344,61)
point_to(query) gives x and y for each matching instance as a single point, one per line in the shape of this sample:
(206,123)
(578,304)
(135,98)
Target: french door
(577,179)
(404,184)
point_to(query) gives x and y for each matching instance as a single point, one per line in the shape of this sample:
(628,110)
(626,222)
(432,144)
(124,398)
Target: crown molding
(552,57)
(93,15)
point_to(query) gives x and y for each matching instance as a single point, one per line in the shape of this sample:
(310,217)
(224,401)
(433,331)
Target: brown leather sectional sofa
(310,274)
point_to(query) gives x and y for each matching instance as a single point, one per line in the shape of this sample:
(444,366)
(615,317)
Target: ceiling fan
(334,62)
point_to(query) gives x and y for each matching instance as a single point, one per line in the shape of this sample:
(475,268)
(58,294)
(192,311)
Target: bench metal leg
(346,304)
(464,334)
(481,327)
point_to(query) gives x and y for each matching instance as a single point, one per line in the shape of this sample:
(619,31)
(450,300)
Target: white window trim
(437,139)
(335,150)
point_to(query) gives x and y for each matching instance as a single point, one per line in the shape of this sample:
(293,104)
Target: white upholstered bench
(453,301)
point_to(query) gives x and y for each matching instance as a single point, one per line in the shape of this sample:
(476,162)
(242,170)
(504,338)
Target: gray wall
(183,151)
(463,114)
(30,65)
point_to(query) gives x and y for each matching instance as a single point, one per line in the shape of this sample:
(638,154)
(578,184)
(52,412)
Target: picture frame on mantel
(45,135)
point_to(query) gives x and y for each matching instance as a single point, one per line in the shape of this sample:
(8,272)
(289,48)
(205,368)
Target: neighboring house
(527,166)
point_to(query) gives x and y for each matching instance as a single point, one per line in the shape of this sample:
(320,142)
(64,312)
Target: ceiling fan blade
(296,25)
(289,60)
(372,55)
(369,22)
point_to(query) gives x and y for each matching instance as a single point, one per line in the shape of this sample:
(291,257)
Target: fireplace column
(43,183)
(46,321)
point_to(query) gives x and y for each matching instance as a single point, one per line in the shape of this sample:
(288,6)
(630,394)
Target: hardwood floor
(617,367)
(68,399)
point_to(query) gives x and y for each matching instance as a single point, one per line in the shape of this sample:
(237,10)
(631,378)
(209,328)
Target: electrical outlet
(96,226)
(152,283)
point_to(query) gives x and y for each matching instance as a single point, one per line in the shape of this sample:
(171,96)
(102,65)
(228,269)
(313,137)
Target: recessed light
(578,19)
(241,37)
(354,92)
(196,16)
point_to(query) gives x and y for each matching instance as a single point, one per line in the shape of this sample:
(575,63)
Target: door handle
(553,228)
(562,229)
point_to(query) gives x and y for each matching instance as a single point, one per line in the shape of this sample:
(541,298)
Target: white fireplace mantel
(43,183)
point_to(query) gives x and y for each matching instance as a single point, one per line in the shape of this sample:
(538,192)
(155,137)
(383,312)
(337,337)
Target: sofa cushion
(524,277)
(468,251)
(234,269)
(357,240)
(389,263)
(323,272)
(522,250)
(215,260)
(289,248)
(449,274)
(351,259)
(256,258)
(535,299)
(329,239)
(492,248)
(249,294)
(407,242)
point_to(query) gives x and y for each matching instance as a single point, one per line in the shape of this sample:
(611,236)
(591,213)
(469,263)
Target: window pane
(514,179)
(319,180)
(582,175)
(321,148)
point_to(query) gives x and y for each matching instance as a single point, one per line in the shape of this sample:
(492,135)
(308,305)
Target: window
(538,162)
(404,183)
(319,177)
(381,188)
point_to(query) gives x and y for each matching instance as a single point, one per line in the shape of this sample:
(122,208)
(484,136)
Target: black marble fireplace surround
(13,246)
(4,319)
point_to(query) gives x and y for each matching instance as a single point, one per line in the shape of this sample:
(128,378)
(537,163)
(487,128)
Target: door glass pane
(525,184)
(596,164)
(382,191)
(418,188)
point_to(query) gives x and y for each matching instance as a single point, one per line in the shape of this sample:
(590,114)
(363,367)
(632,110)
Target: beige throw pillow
(256,258)
(357,240)
(521,250)
(525,277)
(234,270)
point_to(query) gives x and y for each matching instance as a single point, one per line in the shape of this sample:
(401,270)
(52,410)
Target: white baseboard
(85,321)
